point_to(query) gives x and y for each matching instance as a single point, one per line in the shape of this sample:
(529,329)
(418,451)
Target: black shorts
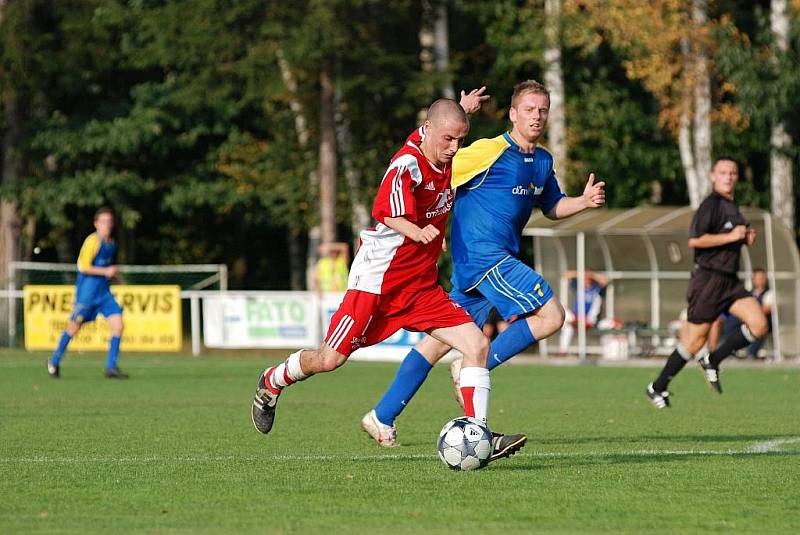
(711,293)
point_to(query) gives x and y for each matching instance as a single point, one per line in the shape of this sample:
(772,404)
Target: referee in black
(717,234)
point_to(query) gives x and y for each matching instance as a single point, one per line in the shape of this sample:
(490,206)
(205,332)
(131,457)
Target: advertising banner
(261,319)
(152,317)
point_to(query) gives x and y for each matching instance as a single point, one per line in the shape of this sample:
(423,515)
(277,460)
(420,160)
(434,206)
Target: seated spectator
(594,287)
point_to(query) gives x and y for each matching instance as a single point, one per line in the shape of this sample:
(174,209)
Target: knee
(331,361)
(759,328)
(73,327)
(553,320)
(477,351)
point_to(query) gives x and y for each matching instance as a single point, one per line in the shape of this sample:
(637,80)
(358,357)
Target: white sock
(475,387)
(288,372)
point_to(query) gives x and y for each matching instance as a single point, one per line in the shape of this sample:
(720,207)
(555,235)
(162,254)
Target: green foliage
(177,114)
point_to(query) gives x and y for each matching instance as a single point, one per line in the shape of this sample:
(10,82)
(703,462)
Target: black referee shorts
(711,293)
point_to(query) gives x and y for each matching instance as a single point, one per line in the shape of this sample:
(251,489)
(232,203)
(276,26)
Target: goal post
(189,277)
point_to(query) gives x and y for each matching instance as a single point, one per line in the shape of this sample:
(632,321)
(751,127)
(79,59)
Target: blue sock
(113,352)
(58,354)
(508,343)
(409,378)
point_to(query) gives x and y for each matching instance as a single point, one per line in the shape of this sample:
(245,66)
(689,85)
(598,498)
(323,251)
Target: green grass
(172,450)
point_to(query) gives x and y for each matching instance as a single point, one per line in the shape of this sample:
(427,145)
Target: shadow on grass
(577,460)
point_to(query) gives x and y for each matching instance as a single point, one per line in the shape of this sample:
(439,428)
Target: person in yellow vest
(331,271)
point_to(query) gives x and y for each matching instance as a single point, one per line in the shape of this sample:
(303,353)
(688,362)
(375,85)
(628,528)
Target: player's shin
(63,342)
(287,372)
(475,387)
(410,376)
(675,363)
(739,338)
(510,342)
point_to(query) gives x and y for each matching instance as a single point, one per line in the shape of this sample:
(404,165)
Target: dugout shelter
(645,253)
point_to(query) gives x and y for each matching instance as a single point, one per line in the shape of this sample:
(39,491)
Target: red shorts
(365,319)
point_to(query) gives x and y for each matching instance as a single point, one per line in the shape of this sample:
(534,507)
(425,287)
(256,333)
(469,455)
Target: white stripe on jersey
(340,333)
(378,248)
(396,201)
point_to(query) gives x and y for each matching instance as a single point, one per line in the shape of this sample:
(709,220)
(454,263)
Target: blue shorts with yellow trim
(105,305)
(512,287)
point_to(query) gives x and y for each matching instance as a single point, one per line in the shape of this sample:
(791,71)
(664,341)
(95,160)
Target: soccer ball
(465,444)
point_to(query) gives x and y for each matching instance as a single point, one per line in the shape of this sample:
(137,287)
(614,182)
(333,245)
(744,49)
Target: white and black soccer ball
(465,444)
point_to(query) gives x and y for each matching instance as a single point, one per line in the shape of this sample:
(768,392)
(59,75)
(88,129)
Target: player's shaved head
(444,110)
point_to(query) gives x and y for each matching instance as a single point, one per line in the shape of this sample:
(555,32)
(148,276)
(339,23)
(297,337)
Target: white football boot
(384,435)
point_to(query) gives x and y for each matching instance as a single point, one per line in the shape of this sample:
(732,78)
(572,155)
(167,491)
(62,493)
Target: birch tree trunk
(434,45)
(359,213)
(781,172)
(295,230)
(441,49)
(702,104)
(327,160)
(9,209)
(694,127)
(554,80)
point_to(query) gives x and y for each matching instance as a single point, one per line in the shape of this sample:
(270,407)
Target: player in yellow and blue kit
(93,294)
(500,181)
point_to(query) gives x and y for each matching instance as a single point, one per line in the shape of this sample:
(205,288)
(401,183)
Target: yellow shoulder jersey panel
(88,251)
(478,157)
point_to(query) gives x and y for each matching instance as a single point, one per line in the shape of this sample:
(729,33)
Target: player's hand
(472,102)
(444,244)
(738,233)
(750,238)
(594,194)
(426,235)
(111,272)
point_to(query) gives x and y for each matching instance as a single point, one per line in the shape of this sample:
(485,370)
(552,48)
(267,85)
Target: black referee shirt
(717,215)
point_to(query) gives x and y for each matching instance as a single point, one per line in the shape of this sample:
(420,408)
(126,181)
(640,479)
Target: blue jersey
(498,188)
(98,253)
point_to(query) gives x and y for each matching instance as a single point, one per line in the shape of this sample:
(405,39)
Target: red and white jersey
(419,191)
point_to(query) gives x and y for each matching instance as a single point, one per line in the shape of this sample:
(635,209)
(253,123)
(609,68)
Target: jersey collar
(511,142)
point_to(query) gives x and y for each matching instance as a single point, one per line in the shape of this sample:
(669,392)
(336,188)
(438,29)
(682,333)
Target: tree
(554,80)
(781,183)
(667,46)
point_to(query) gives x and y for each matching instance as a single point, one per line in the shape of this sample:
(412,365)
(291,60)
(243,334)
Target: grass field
(172,450)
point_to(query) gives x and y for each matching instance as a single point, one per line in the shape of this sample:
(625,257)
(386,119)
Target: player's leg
(753,328)
(418,363)
(474,377)
(113,313)
(692,339)
(112,370)
(346,333)
(409,378)
(80,313)
(567,332)
(706,297)
(516,290)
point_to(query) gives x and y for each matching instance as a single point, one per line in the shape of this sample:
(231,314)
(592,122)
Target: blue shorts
(512,287)
(105,305)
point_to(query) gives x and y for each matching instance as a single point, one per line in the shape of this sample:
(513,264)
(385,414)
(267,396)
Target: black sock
(675,363)
(734,342)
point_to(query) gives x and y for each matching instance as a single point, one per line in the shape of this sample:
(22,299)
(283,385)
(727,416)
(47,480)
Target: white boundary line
(757,448)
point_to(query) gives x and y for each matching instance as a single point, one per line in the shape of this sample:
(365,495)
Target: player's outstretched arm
(410,230)
(594,196)
(471,102)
